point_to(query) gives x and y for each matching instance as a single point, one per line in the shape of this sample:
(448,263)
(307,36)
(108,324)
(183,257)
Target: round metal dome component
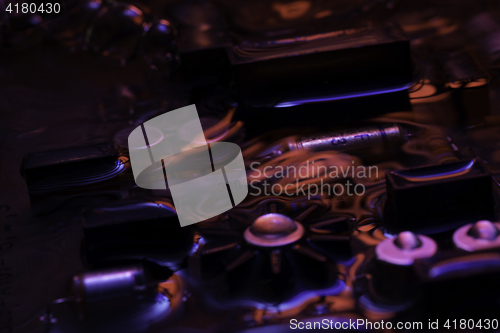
(273,226)
(405,248)
(273,230)
(478,236)
(407,240)
(484,230)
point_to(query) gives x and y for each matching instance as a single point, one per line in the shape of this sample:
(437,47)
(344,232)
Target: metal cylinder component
(370,140)
(104,292)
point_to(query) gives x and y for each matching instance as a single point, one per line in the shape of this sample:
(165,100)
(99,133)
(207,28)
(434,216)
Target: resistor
(372,140)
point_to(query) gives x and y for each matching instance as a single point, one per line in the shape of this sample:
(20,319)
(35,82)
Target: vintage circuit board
(370,135)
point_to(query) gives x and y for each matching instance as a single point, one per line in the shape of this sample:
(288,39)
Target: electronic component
(115,290)
(273,230)
(408,273)
(71,171)
(274,258)
(321,67)
(366,142)
(470,86)
(392,279)
(373,140)
(120,298)
(438,196)
(135,229)
(321,116)
(454,283)
(253,207)
(481,235)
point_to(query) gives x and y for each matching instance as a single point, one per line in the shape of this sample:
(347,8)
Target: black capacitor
(439,197)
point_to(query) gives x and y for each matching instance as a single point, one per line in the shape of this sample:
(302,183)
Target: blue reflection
(342,96)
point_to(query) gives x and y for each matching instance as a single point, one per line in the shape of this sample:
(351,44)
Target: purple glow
(413,176)
(467,265)
(368,304)
(345,96)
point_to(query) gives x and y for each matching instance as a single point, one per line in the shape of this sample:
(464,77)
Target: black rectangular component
(321,67)
(454,283)
(62,169)
(322,116)
(54,162)
(454,193)
(124,229)
(68,172)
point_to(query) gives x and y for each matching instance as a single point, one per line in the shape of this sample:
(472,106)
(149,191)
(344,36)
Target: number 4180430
(33,8)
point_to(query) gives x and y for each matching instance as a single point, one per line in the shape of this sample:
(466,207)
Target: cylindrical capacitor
(106,292)
(372,140)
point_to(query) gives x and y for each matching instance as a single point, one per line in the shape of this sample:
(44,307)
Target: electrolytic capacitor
(109,291)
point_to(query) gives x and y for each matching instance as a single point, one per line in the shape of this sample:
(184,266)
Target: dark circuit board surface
(57,94)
